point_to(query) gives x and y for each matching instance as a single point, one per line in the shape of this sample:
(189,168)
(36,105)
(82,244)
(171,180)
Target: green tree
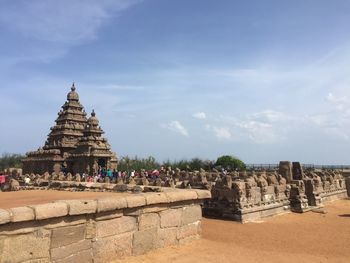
(10,160)
(230,162)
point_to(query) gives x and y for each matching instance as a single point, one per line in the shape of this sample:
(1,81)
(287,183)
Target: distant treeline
(228,162)
(8,160)
(127,163)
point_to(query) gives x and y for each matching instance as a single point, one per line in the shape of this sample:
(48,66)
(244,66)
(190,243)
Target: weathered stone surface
(170,218)
(90,230)
(191,214)
(347,182)
(149,220)
(176,196)
(109,215)
(4,216)
(66,251)
(203,194)
(189,230)
(155,208)
(156,198)
(80,257)
(79,207)
(20,214)
(136,211)
(67,235)
(111,248)
(135,200)
(115,226)
(50,210)
(39,260)
(144,241)
(109,204)
(166,237)
(64,221)
(21,248)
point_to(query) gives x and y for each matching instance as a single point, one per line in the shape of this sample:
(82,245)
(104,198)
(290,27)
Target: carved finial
(73,87)
(93,113)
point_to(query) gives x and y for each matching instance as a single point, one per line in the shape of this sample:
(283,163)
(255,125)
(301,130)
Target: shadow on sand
(344,215)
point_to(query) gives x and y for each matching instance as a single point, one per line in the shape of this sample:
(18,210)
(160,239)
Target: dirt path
(309,237)
(22,198)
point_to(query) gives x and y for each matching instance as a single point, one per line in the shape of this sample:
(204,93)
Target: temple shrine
(75,144)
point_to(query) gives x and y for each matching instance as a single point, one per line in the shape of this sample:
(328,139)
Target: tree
(230,162)
(10,160)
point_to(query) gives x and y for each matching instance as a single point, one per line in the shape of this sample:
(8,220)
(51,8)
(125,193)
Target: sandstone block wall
(100,230)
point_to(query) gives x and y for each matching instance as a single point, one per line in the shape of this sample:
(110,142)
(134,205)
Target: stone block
(19,248)
(189,230)
(203,194)
(90,231)
(39,260)
(135,200)
(80,257)
(137,211)
(69,250)
(109,215)
(20,214)
(64,221)
(156,198)
(50,210)
(181,195)
(155,208)
(170,218)
(67,235)
(80,207)
(115,226)
(149,220)
(5,216)
(166,237)
(111,248)
(144,241)
(191,214)
(109,204)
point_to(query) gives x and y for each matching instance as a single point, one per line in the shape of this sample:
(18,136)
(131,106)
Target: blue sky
(263,80)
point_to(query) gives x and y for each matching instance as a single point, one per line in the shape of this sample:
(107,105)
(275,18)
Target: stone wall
(100,230)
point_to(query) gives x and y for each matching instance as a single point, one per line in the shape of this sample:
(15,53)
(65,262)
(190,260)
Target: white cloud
(51,28)
(199,115)
(176,126)
(65,21)
(270,116)
(222,133)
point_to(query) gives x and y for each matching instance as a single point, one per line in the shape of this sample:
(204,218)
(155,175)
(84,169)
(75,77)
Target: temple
(75,144)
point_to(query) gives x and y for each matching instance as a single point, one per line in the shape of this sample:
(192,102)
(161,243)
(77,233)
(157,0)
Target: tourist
(26,180)
(109,173)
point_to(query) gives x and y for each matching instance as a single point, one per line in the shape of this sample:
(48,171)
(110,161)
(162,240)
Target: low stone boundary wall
(100,230)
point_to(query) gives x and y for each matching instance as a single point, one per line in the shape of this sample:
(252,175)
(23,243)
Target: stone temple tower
(74,144)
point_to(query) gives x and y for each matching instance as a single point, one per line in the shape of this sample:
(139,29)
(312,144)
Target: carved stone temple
(75,144)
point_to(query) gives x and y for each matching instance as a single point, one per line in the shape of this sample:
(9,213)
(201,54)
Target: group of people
(114,174)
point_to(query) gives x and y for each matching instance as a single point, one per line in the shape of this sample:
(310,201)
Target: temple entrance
(102,163)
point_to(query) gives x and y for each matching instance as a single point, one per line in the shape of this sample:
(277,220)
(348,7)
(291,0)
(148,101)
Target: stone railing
(100,230)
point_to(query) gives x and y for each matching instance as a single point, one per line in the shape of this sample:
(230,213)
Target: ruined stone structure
(254,195)
(75,144)
(100,230)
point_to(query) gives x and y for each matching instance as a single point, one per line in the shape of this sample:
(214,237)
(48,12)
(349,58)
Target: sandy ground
(309,237)
(22,198)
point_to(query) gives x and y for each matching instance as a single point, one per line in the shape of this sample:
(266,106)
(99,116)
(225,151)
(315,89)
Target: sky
(262,80)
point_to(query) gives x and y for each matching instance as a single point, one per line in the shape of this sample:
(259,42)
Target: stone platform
(100,230)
